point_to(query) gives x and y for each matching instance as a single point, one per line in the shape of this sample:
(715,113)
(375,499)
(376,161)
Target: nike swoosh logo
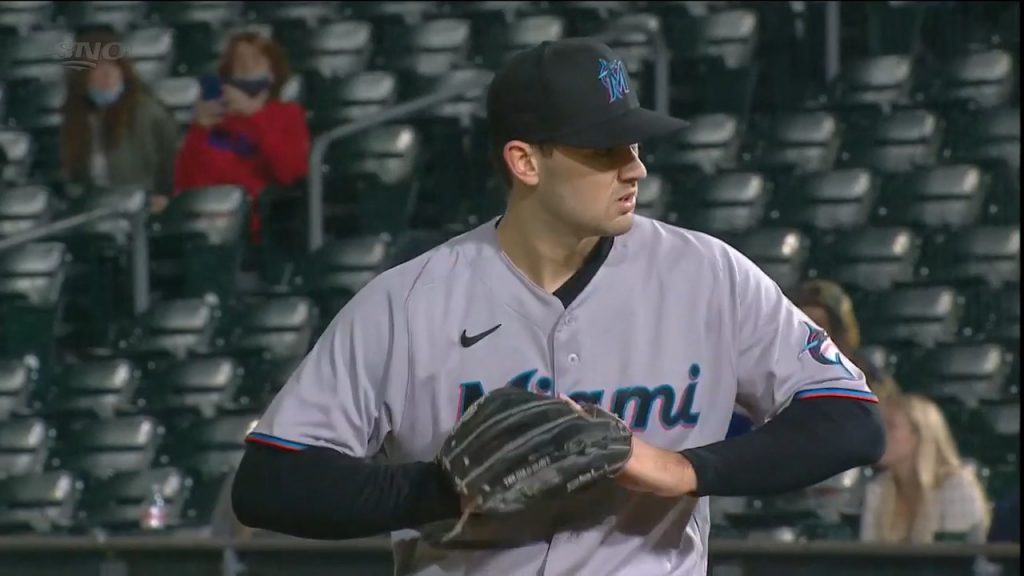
(468,341)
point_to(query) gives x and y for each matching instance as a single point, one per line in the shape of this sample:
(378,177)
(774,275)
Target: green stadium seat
(874,259)
(983,79)
(197,385)
(26,16)
(117,504)
(31,297)
(199,239)
(211,448)
(17,150)
(392,21)
(878,82)
(311,13)
(273,329)
(780,252)
(18,380)
(24,446)
(217,13)
(377,179)
(152,51)
(101,388)
(339,269)
(41,503)
(802,142)
(710,143)
(24,208)
(990,254)
(730,36)
(922,316)
(995,314)
(836,200)
(101,448)
(173,328)
(943,197)
(338,49)
(349,98)
(524,33)
(117,15)
(38,46)
(431,49)
(968,373)
(179,94)
(724,203)
(898,142)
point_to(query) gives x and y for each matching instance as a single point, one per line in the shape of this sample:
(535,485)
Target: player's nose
(633,171)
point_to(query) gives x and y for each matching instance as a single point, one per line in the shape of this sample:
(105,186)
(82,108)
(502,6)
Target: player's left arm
(822,418)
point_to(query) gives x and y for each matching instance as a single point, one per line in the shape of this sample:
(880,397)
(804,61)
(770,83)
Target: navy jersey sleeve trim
(319,493)
(813,438)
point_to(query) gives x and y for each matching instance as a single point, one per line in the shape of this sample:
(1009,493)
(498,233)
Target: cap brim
(634,126)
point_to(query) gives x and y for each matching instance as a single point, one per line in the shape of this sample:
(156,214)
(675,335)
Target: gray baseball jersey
(674,330)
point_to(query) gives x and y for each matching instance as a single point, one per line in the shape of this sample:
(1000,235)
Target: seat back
(101,448)
(23,208)
(119,502)
(24,445)
(99,387)
(39,502)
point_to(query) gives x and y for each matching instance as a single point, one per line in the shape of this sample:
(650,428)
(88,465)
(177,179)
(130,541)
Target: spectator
(924,491)
(829,306)
(248,137)
(115,132)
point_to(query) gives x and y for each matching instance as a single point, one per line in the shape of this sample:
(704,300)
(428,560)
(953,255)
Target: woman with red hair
(248,136)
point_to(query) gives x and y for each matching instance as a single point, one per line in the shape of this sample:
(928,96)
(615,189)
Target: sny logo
(613,76)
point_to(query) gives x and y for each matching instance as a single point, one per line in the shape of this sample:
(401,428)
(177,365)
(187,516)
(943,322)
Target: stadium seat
(217,13)
(101,388)
(922,316)
(116,15)
(197,385)
(26,16)
(24,446)
(990,138)
(23,208)
(346,99)
(102,448)
(41,503)
(210,448)
(589,17)
(725,203)
(17,149)
(200,238)
(983,79)
(837,200)
(637,50)
(729,36)
(990,254)
(152,51)
(874,259)
(339,269)
(999,440)
(377,176)
(38,46)
(801,142)
(654,197)
(18,379)
(31,281)
(897,142)
(393,20)
(311,13)
(337,49)
(939,198)
(779,252)
(273,329)
(526,32)
(179,94)
(878,83)
(431,49)
(994,314)
(968,373)
(710,143)
(173,328)
(36,102)
(118,503)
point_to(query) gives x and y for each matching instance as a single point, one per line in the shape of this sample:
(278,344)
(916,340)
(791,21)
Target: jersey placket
(566,358)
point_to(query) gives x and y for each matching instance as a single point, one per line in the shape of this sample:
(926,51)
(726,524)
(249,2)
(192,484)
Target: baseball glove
(513,448)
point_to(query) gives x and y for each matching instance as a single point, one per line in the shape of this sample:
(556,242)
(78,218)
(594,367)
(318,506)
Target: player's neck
(541,249)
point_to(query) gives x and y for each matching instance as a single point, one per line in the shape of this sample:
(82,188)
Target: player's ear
(521,159)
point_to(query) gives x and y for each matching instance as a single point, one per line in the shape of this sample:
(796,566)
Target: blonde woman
(925,490)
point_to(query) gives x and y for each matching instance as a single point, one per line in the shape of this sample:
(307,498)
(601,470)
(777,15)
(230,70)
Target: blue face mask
(104,98)
(251,86)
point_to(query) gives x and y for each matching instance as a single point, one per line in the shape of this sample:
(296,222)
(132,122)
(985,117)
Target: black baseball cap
(574,91)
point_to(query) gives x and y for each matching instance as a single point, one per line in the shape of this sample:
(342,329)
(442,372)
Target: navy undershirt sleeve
(319,493)
(808,442)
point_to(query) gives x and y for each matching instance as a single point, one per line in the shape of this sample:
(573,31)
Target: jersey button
(574,359)
(569,320)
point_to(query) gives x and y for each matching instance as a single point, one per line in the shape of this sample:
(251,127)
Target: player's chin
(621,224)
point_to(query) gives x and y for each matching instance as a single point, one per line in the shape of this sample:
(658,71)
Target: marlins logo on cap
(613,75)
(822,349)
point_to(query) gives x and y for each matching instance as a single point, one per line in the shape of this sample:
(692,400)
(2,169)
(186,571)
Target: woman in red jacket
(248,137)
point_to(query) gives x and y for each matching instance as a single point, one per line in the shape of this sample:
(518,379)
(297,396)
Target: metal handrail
(139,245)
(320,144)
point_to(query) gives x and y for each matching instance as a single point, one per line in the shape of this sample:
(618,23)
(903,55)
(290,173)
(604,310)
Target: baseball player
(568,293)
